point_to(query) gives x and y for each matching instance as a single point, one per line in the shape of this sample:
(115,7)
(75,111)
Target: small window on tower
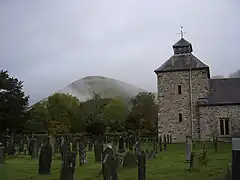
(179,89)
(180,117)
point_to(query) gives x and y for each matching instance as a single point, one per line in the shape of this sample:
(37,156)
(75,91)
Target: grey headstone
(188,148)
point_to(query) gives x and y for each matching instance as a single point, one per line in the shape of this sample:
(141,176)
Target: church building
(191,103)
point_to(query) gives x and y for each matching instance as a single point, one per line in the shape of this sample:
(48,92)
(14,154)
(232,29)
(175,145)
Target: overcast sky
(50,43)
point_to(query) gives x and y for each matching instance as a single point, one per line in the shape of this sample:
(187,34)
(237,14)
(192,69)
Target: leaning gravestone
(1,153)
(188,148)
(142,166)
(68,166)
(109,165)
(129,160)
(152,155)
(45,159)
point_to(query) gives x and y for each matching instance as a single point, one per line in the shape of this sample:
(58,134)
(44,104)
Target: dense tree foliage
(13,103)
(143,114)
(63,113)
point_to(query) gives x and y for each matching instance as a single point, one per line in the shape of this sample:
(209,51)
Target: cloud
(49,44)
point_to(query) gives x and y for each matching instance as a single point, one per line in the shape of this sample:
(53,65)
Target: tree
(115,113)
(143,114)
(59,114)
(13,103)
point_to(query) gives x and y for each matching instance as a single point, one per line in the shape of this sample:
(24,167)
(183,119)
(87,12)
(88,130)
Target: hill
(107,87)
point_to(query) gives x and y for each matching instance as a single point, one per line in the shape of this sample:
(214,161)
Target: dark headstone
(142,166)
(45,159)
(235,157)
(33,147)
(97,150)
(121,145)
(1,153)
(160,143)
(164,142)
(109,165)
(68,166)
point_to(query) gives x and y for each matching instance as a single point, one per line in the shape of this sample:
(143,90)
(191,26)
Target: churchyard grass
(168,165)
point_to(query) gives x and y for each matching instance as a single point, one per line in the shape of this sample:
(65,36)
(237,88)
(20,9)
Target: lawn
(168,165)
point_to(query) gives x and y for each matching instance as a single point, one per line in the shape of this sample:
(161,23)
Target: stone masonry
(171,103)
(192,104)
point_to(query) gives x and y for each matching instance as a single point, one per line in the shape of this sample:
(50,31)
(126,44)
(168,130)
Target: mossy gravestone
(45,159)
(129,160)
(109,165)
(68,166)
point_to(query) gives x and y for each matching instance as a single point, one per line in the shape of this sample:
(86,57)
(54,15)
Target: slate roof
(224,91)
(181,62)
(182,43)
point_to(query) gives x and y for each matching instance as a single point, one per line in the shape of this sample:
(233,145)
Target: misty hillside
(108,88)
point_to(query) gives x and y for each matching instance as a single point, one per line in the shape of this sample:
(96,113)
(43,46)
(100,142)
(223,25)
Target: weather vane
(181,32)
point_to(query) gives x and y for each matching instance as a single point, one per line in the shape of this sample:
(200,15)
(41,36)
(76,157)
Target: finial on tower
(181,32)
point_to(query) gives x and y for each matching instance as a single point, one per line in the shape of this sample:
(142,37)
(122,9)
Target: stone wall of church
(209,117)
(171,103)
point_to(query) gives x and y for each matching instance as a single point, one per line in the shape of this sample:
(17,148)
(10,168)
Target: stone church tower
(182,80)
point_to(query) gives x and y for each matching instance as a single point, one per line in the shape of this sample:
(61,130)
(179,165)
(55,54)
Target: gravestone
(164,142)
(45,159)
(168,139)
(109,165)
(68,166)
(34,148)
(1,153)
(160,143)
(82,153)
(64,147)
(97,150)
(129,160)
(121,148)
(142,166)
(137,148)
(188,148)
